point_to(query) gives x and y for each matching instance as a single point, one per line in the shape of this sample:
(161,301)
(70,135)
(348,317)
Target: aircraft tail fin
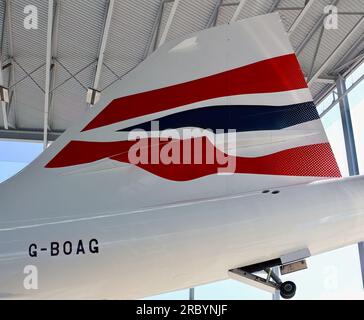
(242,77)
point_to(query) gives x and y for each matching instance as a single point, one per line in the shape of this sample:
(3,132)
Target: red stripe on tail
(272,75)
(313,160)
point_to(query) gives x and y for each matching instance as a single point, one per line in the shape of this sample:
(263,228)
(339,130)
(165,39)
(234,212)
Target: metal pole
(3,104)
(298,20)
(11,77)
(154,35)
(215,13)
(336,51)
(361,257)
(347,127)
(169,22)
(276,295)
(350,148)
(105,34)
(238,10)
(274,5)
(336,101)
(312,32)
(192,294)
(48,72)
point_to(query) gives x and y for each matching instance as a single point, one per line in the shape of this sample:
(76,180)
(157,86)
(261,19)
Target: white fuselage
(179,245)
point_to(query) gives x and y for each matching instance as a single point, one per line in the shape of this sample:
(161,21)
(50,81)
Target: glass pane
(331,275)
(356,102)
(326,103)
(334,131)
(14,156)
(354,76)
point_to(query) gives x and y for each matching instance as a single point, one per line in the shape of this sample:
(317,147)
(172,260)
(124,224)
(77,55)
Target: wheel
(287,290)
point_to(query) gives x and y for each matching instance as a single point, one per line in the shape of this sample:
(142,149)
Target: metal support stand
(290,262)
(276,295)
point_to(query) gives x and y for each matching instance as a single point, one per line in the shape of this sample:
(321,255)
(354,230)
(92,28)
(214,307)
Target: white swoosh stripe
(108,133)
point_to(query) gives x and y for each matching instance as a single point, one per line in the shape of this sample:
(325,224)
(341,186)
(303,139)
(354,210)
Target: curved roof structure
(93,43)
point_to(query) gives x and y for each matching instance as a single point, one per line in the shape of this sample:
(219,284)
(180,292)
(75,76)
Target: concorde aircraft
(122,207)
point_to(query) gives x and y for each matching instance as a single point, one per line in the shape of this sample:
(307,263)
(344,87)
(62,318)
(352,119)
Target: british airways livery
(207,161)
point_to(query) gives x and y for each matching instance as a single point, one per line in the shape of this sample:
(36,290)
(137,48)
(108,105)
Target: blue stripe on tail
(238,117)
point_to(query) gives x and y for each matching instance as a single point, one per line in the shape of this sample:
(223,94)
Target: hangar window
(334,131)
(15,155)
(356,103)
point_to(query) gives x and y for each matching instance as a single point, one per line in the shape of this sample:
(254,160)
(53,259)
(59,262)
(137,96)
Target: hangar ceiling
(81,44)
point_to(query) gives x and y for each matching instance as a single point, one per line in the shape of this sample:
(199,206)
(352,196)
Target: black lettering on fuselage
(65,248)
(54,248)
(93,246)
(33,250)
(80,248)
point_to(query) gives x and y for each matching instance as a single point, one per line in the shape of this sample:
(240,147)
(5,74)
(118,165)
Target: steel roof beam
(3,104)
(316,26)
(353,13)
(53,65)
(316,52)
(104,37)
(335,52)
(11,55)
(242,3)
(274,5)
(28,135)
(328,80)
(238,10)
(169,22)
(349,58)
(52,36)
(348,64)
(214,15)
(230,4)
(345,72)
(325,80)
(309,36)
(48,71)
(300,17)
(289,8)
(152,42)
(335,102)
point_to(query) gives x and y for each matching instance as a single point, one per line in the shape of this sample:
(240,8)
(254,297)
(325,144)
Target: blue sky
(332,275)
